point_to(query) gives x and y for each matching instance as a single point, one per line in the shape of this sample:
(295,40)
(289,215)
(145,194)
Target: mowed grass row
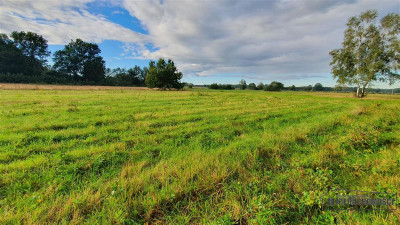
(200,156)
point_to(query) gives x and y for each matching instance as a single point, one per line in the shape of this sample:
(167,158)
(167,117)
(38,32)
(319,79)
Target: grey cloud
(257,37)
(254,37)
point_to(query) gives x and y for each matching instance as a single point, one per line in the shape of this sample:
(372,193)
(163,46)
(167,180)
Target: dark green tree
(226,87)
(163,75)
(118,76)
(12,60)
(214,86)
(137,76)
(32,45)
(23,53)
(242,84)
(318,87)
(122,77)
(94,70)
(252,86)
(260,86)
(274,86)
(75,56)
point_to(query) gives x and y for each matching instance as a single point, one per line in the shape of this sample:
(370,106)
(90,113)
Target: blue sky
(112,50)
(210,41)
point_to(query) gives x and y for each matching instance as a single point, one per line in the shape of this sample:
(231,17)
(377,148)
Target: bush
(49,77)
(16,78)
(221,86)
(318,87)
(214,86)
(274,86)
(226,87)
(242,84)
(260,86)
(252,86)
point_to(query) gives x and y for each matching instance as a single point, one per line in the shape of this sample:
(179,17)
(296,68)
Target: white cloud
(249,36)
(117,12)
(286,38)
(61,21)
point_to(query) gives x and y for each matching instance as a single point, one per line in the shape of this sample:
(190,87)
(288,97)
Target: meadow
(193,157)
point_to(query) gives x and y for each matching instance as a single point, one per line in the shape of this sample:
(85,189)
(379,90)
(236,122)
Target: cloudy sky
(210,40)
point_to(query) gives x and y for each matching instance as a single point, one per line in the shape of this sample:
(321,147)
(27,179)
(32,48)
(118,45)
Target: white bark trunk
(358,85)
(358,92)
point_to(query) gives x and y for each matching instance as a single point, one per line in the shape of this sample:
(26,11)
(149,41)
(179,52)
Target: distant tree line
(221,86)
(278,86)
(126,77)
(23,59)
(273,86)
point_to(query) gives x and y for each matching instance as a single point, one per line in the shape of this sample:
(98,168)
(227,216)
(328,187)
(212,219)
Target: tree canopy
(318,87)
(274,86)
(260,86)
(127,77)
(32,45)
(252,86)
(163,75)
(94,69)
(11,58)
(242,84)
(81,60)
(24,54)
(370,51)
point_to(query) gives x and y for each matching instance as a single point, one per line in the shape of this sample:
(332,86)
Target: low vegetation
(193,157)
(221,86)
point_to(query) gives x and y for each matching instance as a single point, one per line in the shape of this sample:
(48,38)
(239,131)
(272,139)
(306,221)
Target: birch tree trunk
(358,86)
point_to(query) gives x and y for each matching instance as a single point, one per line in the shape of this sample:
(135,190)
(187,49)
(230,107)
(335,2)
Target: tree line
(370,52)
(273,86)
(23,59)
(277,86)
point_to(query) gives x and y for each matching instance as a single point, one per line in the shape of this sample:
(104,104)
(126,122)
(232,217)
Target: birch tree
(370,51)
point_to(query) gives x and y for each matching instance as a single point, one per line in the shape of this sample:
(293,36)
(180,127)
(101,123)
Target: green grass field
(193,157)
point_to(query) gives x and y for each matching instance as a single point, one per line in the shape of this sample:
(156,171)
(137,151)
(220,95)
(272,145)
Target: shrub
(260,86)
(242,84)
(226,87)
(252,86)
(214,86)
(274,86)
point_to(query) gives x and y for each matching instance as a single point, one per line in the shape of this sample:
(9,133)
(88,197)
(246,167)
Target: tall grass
(192,157)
